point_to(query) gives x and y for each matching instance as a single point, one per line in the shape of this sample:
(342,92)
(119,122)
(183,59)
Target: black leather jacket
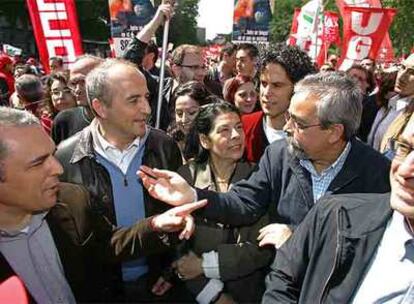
(78,159)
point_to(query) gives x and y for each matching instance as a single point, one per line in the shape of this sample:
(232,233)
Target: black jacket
(86,241)
(281,185)
(326,258)
(78,159)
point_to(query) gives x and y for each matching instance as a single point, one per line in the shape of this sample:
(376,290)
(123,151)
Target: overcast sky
(216,16)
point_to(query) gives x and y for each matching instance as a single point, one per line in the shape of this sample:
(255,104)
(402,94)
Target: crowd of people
(300,180)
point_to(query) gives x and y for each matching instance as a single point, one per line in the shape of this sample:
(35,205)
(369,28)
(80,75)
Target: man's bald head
(78,72)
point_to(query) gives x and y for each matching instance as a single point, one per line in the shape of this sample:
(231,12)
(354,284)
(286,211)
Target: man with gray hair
(321,155)
(105,156)
(51,236)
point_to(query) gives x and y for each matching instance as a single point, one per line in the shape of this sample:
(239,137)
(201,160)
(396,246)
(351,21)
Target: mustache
(295,148)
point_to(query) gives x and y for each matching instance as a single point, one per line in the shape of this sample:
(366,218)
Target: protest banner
(56,31)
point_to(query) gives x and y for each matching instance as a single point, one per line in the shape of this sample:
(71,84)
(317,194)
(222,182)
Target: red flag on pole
(364,30)
(55,26)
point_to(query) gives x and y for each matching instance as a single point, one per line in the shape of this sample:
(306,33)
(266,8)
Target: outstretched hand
(166,186)
(178,218)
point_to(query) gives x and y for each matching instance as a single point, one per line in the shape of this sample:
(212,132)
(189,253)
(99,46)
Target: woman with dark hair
(187,98)
(241,92)
(59,95)
(225,256)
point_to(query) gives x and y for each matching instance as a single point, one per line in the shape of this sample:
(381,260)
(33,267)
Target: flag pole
(162,71)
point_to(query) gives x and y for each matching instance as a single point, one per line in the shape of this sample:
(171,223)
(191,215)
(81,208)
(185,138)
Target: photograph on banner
(251,21)
(128,17)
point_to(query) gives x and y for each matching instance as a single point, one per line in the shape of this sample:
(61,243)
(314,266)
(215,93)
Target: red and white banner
(328,33)
(386,53)
(364,30)
(55,26)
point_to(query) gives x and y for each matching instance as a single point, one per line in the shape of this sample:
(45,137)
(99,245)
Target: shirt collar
(400,233)
(100,142)
(34,224)
(307,164)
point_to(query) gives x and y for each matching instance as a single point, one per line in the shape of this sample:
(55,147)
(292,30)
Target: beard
(295,149)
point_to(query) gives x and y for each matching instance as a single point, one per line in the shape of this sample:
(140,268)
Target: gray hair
(97,84)
(10,117)
(340,99)
(29,87)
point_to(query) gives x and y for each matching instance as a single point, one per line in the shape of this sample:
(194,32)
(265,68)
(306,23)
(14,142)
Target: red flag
(386,53)
(55,26)
(331,28)
(364,29)
(327,35)
(294,27)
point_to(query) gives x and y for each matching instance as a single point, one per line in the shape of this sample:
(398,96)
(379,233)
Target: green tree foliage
(93,19)
(402,28)
(282,19)
(183,27)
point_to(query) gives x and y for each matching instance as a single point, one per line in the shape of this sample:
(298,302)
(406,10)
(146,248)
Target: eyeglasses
(400,149)
(194,67)
(297,125)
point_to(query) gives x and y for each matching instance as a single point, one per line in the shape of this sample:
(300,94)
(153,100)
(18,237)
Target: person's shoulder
(66,147)
(68,114)
(251,118)
(159,136)
(364,203)
(278,148)
(366,155)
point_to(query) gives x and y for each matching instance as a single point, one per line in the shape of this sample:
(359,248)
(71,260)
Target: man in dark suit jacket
(59,250)
(320,155)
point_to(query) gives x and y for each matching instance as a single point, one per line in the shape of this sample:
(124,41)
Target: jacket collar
(346,175)
(351,165)
(84,146)
(204,176)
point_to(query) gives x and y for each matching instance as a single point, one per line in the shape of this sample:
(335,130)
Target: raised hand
(166,186)
(178,218)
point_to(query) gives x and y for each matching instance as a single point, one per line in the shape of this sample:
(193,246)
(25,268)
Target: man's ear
(204,141)
(337,133)
(99,108)
(176,70)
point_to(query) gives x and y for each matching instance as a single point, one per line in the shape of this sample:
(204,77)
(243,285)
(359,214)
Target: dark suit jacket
(281,185)
(85,240)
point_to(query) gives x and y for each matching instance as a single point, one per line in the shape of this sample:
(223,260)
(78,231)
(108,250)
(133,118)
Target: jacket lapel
(303,180)
(349,171)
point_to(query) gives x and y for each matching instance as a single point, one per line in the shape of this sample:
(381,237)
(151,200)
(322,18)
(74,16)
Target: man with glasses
(321,155)
(73,120)
(353,248)
(187,64)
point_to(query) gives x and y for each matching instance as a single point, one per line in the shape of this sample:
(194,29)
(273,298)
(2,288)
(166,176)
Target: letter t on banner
(55,27)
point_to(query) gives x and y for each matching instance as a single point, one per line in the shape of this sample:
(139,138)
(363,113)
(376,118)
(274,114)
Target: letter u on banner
(364,30)
(56,31)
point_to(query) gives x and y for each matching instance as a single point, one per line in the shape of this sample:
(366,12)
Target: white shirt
(390,275)
(272,134)
(121,158)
